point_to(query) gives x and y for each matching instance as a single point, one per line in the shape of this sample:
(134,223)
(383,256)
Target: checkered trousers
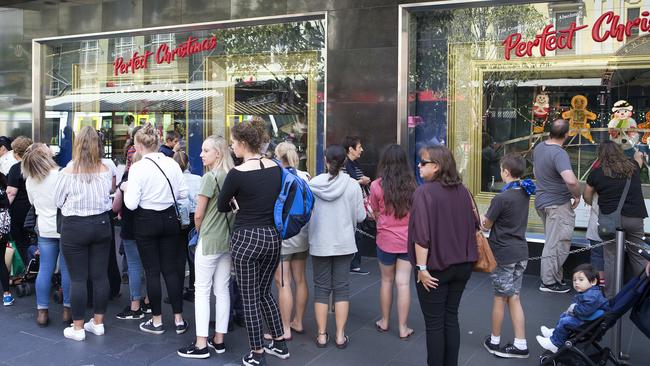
(255,255)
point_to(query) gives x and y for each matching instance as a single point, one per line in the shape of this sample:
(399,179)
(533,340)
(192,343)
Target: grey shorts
(507,278)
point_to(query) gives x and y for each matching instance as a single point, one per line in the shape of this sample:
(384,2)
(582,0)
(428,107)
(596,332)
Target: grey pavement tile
(124,344)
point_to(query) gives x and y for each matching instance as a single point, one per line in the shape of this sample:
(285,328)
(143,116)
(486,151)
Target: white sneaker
(94,328)
(546,343)
(546,331)
(77,335)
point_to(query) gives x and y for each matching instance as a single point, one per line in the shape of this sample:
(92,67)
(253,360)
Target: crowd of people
(426,230)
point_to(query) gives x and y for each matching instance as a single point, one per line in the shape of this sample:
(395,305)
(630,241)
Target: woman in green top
(212,259)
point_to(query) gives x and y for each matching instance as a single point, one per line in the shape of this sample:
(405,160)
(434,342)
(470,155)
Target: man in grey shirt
(556,186)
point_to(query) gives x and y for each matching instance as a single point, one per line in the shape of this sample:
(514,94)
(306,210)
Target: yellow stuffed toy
(579,117)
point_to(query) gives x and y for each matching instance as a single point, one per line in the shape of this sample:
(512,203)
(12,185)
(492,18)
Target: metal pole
(618,284)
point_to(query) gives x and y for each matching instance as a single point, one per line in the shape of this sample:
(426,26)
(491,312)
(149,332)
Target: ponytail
(335,156)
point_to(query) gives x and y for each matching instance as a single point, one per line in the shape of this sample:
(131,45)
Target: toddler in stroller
(581,345)
(588,304)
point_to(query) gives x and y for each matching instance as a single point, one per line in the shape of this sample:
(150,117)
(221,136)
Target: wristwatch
(421,267)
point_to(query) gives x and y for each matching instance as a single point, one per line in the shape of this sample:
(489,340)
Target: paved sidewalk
(24,343)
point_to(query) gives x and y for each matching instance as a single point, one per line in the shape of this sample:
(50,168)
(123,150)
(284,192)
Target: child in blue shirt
(587,305)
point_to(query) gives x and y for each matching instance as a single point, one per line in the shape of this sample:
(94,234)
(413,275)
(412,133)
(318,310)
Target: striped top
(83,194)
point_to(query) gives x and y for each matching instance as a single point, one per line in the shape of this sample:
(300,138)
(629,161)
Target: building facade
(482,77)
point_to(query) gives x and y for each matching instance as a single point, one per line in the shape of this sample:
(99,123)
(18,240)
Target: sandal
(268,337)
(344,344)
(302,331)
(379,328)
(408,335)
(327,339)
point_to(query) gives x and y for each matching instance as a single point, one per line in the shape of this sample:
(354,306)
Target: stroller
(582,347)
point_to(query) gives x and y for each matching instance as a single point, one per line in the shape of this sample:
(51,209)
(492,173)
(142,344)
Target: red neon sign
(607,26)
(163,54)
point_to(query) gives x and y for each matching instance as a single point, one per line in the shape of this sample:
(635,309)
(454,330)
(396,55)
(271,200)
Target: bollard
(618,285)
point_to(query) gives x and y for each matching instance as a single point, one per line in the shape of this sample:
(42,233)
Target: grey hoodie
(338,207)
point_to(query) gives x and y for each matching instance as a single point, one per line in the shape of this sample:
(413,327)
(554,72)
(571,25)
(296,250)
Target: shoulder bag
(486,261)
(178,213)
(607,223)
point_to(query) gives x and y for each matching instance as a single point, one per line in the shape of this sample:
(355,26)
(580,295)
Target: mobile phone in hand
(234,206)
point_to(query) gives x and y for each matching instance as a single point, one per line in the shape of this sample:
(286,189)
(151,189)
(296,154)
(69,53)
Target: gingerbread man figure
(579,117)
(621,123)
(540,112)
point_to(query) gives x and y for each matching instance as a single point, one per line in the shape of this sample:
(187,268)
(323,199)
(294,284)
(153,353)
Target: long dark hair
(447,173)
(335,156)
(614,162)
(397,180)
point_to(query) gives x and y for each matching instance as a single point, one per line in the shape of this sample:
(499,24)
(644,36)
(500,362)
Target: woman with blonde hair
(293,256)
(212,258)
(155,185)
(82,193)
(41,173)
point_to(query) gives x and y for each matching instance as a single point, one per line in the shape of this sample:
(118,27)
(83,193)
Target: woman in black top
(17,194)
(255,243)
(608,178)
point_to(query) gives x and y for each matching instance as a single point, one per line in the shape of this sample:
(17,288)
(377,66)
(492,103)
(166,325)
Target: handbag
(5,221)
(178,213)
(608,223)
(486,261)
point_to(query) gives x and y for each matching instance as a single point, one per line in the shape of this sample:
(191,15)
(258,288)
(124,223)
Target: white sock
(495,339)
(157,324)
(520,344)
(179,323)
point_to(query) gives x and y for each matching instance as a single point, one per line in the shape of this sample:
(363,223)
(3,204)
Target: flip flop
(322,345)
(379,328)
(297,331)
(344,344)
(268,337)
(406,337)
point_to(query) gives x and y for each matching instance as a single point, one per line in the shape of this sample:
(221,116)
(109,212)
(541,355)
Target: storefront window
(487,81)
(194,83)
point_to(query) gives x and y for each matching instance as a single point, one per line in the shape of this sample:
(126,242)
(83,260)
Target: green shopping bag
(17,264)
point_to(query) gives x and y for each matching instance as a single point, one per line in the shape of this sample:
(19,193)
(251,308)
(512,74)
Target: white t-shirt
(7,161)
(41,195)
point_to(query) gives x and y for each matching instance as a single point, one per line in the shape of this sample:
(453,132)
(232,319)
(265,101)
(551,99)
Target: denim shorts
(294,256)
(389,259)
(506,278)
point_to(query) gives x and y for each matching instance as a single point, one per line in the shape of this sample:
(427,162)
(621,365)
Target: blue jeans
(560,333)
(49,248)
(135,269)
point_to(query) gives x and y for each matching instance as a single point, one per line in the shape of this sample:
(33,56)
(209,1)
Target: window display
(194,83)
(488,81)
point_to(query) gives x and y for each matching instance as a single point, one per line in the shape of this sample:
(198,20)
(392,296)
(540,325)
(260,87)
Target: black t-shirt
(509,213)
(255,191)
(610,190)
(15,179)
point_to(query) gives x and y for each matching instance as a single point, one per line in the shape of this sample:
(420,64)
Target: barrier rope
(575,251)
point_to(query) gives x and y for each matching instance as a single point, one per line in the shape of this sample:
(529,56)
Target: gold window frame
(465,107)
(227,67)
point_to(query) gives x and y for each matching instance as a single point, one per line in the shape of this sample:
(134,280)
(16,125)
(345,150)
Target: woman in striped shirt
(82,193)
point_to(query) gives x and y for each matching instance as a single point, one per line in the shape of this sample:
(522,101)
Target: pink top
(392,233)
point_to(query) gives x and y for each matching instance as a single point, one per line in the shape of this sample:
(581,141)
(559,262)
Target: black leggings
(85,242)
(440,311)
(157,235)
(4,272)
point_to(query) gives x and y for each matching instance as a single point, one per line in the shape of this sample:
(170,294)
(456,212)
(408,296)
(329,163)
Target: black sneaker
(217,347)
(359,271)
(489,346)
(254,359)
(181,328)
(510,351)
(148,327)
(192,352)
(145,308)
(127,313)
(557,288)
(278,349)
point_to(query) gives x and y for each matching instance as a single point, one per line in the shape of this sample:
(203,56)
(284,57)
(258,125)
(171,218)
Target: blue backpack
(294,204)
